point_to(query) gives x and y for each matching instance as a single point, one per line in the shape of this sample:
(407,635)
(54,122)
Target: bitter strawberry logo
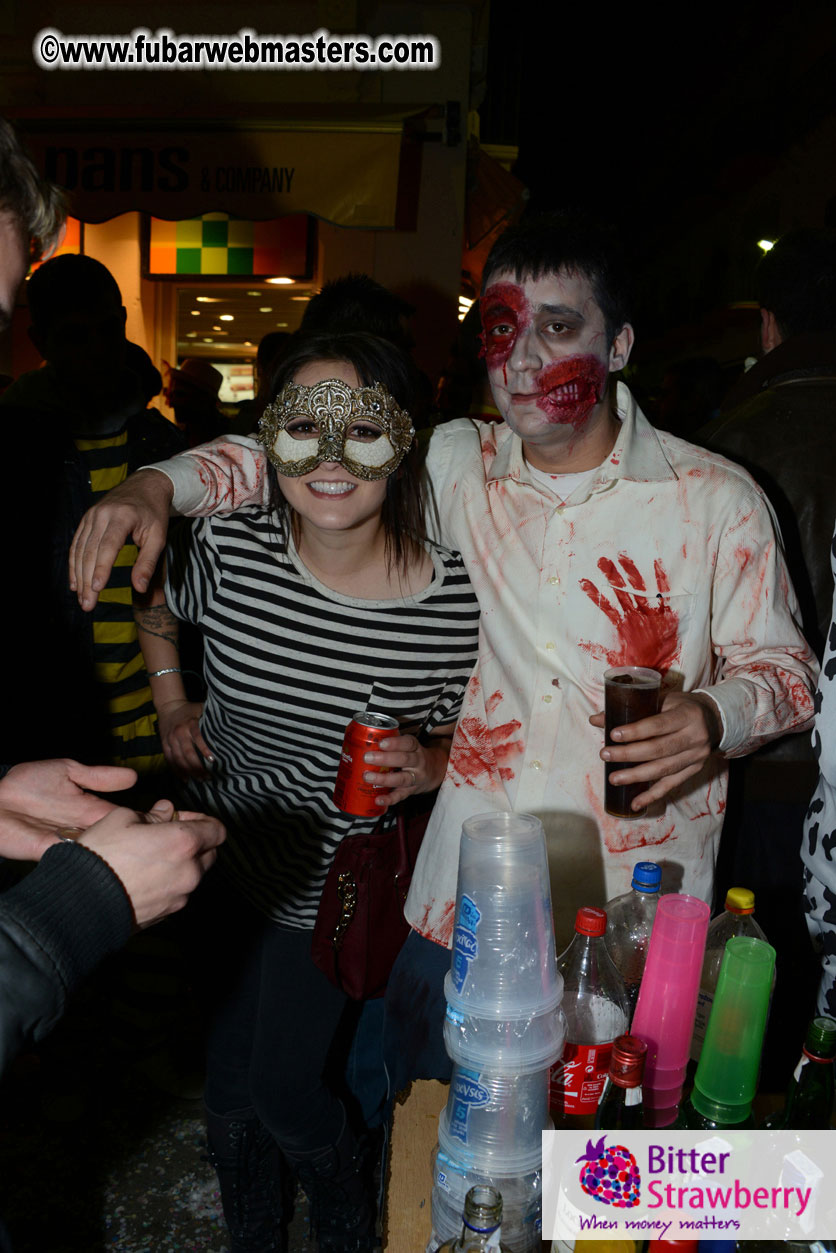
(610,1175)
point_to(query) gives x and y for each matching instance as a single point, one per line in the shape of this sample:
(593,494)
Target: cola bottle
(596,1009)
(620,1107)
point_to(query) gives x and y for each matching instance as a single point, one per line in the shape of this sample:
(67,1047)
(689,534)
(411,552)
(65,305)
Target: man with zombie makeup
(592,540)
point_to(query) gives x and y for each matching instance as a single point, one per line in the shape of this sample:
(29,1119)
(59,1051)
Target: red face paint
(505,312)
(571,388)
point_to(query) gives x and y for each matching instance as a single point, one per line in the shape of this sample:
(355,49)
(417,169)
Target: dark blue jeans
(273,1018)
(413,1040)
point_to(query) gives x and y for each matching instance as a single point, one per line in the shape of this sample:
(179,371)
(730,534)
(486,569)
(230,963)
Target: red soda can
(352,794)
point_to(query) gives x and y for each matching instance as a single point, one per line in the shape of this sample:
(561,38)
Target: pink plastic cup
(664,1016)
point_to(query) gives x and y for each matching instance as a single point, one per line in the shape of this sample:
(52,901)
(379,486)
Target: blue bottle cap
(647,876)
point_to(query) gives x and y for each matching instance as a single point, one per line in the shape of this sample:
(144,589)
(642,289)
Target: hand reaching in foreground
(139,507)
(39,798)
(159,857)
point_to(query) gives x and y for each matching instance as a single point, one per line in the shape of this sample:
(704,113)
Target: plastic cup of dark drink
(630,694)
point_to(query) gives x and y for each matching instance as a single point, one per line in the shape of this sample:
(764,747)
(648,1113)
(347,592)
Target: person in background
(778,422)
(192,392)
(140,364)
(463,387)
(356,302)
(270,348)
(123,870)
(80,425)
(32,214)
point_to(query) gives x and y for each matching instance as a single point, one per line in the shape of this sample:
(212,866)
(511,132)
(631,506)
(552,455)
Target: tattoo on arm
(158,620)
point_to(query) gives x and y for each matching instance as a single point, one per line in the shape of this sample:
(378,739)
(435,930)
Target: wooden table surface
(408,1220)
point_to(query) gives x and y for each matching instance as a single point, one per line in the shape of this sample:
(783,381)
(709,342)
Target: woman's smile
(331,487)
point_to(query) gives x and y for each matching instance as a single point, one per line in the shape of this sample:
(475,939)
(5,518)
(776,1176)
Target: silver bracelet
(155,674)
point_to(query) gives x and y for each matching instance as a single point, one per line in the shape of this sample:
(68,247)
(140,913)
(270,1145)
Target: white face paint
(361,428)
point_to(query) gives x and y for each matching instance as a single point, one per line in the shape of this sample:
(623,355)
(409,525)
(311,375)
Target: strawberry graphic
(610,1175)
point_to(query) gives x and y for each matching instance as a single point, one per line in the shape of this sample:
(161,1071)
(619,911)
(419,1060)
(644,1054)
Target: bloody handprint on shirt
(480,753)
(646,626)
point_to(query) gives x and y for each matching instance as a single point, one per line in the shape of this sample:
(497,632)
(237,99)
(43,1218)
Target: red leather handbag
(360,927)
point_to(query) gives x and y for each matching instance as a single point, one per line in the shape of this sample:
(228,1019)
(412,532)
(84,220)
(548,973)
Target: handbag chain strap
(347,893)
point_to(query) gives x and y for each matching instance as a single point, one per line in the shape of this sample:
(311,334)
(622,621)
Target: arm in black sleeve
(56,926)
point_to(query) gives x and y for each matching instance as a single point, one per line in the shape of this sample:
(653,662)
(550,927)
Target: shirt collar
(637,453)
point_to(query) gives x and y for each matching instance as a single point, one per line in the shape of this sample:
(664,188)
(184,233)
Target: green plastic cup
(727,1074)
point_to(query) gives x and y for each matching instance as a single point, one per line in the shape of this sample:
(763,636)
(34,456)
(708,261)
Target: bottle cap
(590,921)
(820,1040)
(647,876)
(627,1061)
(740,901)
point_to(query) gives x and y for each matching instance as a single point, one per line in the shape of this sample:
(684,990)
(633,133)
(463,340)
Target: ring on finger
(414,777)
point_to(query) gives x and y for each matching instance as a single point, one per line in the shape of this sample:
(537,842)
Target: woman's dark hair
(376,361)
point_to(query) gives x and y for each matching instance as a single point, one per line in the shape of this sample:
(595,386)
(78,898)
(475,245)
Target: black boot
(339,1187)
(250,1171)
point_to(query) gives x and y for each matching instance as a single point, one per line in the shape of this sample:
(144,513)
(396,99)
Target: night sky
(654,121)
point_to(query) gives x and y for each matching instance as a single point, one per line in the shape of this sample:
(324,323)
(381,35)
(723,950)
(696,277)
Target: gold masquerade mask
(360,427)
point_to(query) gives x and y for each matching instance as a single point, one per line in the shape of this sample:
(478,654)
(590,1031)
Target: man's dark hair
(356,302)
(70,284)
(796,281)
(36,205)
(549,243)
(376,361)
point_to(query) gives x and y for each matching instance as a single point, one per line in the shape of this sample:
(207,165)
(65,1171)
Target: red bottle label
(577,1080)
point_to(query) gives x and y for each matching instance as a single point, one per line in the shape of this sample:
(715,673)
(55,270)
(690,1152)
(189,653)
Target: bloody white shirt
(667,557)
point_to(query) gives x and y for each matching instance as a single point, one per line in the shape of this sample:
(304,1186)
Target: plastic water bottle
(738,918)
(595,1005)
(629,924)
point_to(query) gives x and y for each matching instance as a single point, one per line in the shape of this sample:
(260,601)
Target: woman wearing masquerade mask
(328,604)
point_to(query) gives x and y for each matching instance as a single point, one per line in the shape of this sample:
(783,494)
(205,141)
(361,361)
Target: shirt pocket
(637,617)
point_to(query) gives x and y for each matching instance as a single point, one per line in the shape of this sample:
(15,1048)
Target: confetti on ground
(94,1157)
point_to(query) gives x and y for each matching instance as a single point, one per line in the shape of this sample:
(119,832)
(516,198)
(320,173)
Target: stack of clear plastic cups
(504,1027)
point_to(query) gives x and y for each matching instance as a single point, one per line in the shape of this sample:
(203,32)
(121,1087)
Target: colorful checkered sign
(217,244)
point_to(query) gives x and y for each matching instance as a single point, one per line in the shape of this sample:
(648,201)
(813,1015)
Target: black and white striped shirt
(288,662)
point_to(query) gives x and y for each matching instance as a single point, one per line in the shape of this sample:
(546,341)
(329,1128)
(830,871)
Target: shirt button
(554,580)
(536,765)
(549,646)
(546,698)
